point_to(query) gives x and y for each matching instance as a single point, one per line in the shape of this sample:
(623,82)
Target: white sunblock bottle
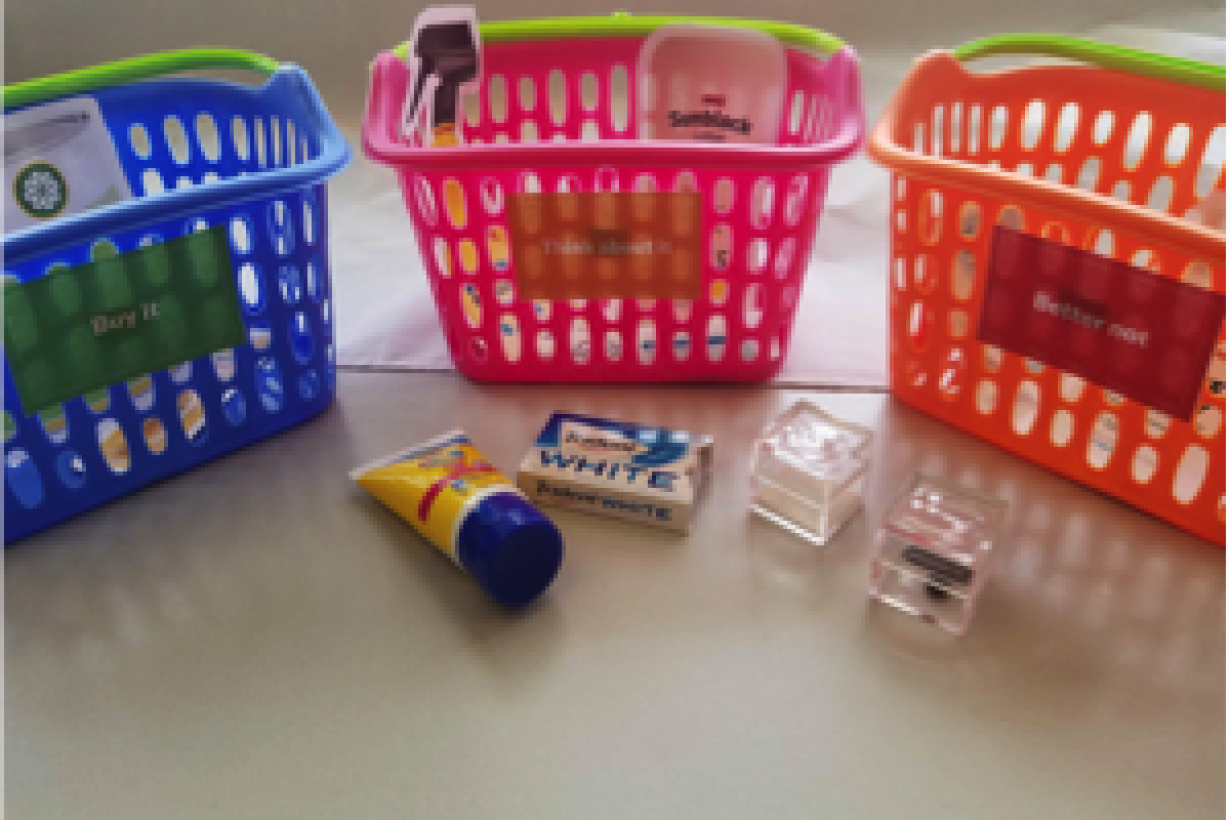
(712,83)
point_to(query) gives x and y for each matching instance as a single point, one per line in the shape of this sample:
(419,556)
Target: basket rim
(383,112)
(287,80)
(1158,228)
(623,24)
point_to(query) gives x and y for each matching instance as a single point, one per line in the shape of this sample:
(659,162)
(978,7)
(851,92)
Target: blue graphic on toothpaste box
(629,471)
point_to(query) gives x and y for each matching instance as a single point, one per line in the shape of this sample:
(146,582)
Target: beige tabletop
(259,639)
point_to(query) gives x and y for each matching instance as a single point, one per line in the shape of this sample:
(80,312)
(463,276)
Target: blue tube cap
(510,548)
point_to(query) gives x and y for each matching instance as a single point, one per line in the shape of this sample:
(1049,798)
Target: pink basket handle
(382,141)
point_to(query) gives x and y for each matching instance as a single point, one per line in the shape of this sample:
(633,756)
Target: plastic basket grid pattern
(758,225)
(173,136)
(1153,144)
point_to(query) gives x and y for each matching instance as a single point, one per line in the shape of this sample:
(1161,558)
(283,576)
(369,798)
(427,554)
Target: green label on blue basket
(58,160)
(75,330)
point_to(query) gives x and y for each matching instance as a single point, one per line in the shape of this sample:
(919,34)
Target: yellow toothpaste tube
(456,499)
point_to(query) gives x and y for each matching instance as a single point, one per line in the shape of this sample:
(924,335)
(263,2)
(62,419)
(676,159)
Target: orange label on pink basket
(1139,334)
(606,245)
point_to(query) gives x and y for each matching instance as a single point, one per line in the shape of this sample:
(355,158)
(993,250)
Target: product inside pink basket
(711,83)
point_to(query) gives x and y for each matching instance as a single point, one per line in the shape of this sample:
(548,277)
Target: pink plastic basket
(555,112)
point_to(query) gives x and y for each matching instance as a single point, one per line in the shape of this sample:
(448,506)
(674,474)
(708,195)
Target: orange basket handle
(1118,58)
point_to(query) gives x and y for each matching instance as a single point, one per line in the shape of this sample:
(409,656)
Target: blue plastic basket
(253,160)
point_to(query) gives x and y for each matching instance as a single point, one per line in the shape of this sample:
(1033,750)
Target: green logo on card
(40,190)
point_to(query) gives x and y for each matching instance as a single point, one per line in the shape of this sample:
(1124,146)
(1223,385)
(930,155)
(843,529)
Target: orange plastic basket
(1104,157)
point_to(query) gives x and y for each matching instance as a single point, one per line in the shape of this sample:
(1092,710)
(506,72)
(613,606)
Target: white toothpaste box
(627,471)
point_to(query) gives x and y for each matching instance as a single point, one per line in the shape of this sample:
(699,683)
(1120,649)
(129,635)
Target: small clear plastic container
(933,551)
(807,471)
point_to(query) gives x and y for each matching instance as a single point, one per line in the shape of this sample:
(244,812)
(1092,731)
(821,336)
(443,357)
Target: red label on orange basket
(1141,335)
(606,245)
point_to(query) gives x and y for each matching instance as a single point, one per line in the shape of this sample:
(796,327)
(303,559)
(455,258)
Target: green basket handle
(1118,58)
(622,24)
(143,67)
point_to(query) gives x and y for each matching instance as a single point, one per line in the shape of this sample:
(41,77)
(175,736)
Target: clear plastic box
(808,470)
(933,551)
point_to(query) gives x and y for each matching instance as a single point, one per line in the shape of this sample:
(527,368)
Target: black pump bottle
(448,55)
